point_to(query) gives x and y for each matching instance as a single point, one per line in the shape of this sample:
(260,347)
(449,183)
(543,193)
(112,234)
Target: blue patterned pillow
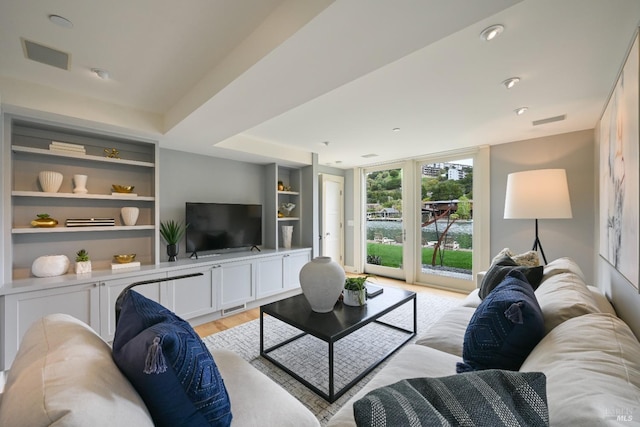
(504,329)
(169,365)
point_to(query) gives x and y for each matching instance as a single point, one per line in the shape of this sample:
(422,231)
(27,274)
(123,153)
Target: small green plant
(172,231)
(43,216)
(357,284)
(82,255)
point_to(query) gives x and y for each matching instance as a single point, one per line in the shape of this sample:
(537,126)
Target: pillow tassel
(514,312)
(155,363)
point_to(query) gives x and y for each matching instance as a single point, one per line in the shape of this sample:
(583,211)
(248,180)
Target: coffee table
(333,326)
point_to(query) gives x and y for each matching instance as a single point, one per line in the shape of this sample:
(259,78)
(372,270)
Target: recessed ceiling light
(520,111)
(103,74)
(491,32)
(396,129)
(511,82)
(61,21)
(326,143)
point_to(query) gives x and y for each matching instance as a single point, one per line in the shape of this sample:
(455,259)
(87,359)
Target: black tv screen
(219,226)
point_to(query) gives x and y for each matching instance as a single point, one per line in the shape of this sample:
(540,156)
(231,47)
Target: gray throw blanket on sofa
(482,398)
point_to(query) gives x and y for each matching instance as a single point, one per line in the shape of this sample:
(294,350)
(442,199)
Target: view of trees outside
(446,211)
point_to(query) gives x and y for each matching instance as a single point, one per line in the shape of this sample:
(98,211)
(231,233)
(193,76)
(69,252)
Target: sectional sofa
(590,357)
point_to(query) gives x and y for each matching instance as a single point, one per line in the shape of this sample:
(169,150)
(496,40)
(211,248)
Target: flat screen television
(222,226)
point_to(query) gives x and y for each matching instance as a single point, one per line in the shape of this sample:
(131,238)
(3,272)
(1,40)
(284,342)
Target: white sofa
(64,375)
(590,357)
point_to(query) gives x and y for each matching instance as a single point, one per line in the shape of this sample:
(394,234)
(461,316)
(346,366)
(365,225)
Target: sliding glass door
(384,222)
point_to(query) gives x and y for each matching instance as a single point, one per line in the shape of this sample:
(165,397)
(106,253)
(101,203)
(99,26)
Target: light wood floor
(246,316)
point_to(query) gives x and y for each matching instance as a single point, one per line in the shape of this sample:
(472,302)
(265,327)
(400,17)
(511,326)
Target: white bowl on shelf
(50,181)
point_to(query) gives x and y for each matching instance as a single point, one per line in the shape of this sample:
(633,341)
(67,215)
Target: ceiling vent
(368,156)
(549,120)
(45,55)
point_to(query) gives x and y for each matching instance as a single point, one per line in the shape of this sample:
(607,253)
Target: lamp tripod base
(538,245)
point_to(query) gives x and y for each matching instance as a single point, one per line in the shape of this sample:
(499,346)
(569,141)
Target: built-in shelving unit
(27,143)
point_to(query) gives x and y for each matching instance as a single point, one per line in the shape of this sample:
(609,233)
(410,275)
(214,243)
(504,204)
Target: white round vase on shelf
(80,182)
(129,215)
(50,181)
(322,280)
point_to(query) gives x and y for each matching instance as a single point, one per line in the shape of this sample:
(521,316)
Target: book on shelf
(134,264)
(113,193)
(89,222)
(66,145)
(67,150)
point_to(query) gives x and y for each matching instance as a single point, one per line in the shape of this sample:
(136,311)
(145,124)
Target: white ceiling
(259,80)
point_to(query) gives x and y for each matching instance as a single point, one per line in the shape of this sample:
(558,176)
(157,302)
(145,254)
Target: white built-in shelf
(31,150)
(63,229)
(291,193)
(81,196)
(289,218)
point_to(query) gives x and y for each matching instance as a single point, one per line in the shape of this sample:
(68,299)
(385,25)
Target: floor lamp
(537,194)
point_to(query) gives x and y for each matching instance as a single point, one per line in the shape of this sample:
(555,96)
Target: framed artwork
(619,178)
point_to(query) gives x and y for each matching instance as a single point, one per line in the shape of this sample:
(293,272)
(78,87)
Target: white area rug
(308,356)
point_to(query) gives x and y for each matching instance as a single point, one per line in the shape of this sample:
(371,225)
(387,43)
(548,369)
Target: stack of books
(90,222)
(66,147)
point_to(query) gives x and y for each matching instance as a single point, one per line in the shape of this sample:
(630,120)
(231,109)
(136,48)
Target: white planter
(287,233)
(129,215)
(50,181)
(83,267)
(80,182)
(50,265)
(322,281)
(355,298)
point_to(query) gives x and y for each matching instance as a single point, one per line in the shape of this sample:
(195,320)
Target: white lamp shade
(537,194)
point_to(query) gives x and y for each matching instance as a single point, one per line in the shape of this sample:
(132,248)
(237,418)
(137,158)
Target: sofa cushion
(501,267)
(504,328)
(491,397)
(529,258)
(447,333)
(592,364)
(562,296)
(64,375)
(410,362)
(562,265)
(256,400)
(168,364)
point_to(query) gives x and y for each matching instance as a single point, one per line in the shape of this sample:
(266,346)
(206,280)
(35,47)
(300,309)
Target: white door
(332,217)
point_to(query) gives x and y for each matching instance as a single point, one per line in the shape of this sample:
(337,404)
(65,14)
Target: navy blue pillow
(504,329)
(169,365)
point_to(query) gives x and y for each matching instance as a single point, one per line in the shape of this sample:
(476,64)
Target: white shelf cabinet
(236,281)
(26,142)
(193,296)
(275,215)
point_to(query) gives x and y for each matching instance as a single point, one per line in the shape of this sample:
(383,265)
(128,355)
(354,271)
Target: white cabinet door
(192,296)
(109,292)
(293,263)
(236,283)
(269,276)
(21,310)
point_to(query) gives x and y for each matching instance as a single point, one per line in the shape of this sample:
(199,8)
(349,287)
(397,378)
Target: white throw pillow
(527,259)
(64,375)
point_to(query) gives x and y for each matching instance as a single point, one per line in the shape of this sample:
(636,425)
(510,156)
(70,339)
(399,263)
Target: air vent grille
(46,55)
(549,120)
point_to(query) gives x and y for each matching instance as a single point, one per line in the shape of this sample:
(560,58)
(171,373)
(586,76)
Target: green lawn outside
(391,256)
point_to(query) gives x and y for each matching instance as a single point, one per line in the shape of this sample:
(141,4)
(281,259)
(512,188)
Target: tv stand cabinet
(230,283)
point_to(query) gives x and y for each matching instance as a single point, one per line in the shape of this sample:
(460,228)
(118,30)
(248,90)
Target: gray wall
(573,237)
(186,177)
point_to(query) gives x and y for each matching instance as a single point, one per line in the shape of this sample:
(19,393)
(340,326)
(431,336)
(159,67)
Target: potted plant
(83,264)
(172,232)
(355,291)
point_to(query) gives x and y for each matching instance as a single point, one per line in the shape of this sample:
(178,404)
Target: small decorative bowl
(122,188)
(124,258)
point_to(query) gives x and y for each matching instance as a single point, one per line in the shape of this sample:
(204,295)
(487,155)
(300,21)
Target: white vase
(355,298)
(50,266)
(83,267)
(129,215)
(287,233)
(80,182)
(50,181)
(322,281)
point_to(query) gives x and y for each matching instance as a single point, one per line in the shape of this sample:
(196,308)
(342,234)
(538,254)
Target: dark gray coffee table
(333,326)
